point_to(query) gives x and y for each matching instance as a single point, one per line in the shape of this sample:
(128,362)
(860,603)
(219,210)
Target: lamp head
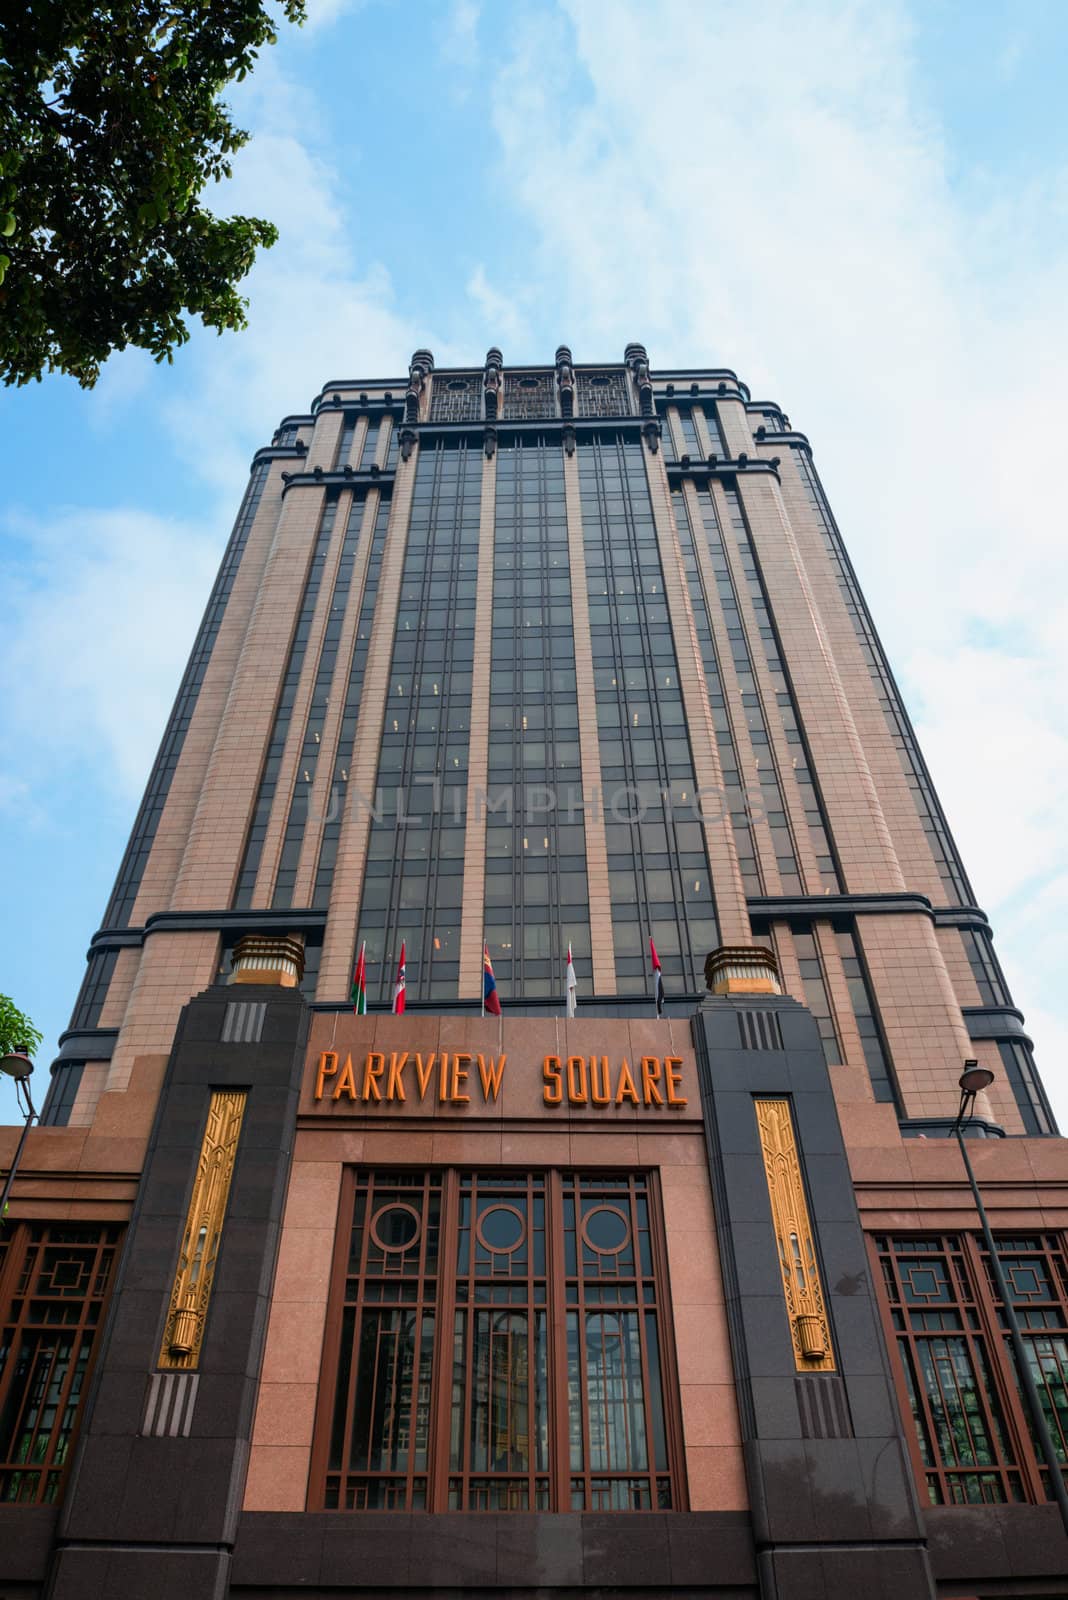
(17,1064)
(974,1078)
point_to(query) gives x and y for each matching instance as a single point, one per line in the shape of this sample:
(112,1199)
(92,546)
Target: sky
(861,208)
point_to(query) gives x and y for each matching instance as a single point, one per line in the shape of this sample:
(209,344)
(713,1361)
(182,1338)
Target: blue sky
(862,208)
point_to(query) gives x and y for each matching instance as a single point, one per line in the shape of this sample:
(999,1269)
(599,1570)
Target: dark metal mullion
(441,1364)
(643,1346)
(1007,1387)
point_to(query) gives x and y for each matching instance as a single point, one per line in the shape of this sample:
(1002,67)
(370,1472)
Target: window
(62,1093)
(955,1373)
(498,1342)
(55,1281)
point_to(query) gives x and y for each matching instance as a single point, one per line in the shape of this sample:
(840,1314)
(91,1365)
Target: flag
(572,984)
(398,993)
(658,979)
(491,1000)
(359,983)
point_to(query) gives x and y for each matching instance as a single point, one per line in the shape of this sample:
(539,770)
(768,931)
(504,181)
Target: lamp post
(18,1065)
(972,1080)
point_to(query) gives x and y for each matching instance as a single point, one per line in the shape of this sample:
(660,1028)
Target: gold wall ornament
(802,1290)
(184,1330)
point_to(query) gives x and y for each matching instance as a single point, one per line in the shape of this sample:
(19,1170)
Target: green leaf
(7,224)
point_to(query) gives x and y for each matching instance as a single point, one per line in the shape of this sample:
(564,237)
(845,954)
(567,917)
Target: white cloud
(502,316)
(458,43)
(712,182)
(100,609)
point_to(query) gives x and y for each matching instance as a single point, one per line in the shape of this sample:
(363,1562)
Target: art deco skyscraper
(541,655)
(517,659)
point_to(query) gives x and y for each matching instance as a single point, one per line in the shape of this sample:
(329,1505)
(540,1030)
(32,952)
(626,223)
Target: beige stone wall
(216,841)
(519,1130)
(291,755)
(187,784)
(731,912)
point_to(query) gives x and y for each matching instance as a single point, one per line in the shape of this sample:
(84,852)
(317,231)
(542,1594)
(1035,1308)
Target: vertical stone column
(732,694)
(322,796)
(187,784)
(922,1019)
(173,966)
(472,916)
(732,915)
(359,435)
(323,449)
(898,805)
(782,752)
(155,1489)
(335,967)
(216,838)
(602,942)
(291,755)
(831,1490)
(852,804)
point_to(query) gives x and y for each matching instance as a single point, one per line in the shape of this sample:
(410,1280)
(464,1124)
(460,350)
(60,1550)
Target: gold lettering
(600,1082)
(673,1075)
(651,1080)
(443,1078)
(491,1075)
(626,1089)
(395,1081)
(423,1073)
(553,1092)
(459,1077)
(327,1069)
(346,1083)
(576,1083)
(371,1075)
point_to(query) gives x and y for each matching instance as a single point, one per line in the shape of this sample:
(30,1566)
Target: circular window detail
(395,1227)
(501,1229)
(605,1230)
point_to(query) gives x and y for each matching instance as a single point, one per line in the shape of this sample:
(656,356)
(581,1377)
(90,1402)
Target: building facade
(507,662)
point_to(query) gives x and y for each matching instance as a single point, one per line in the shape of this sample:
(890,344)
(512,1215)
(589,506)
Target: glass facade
(537,899)
(659,877)
(414,874)
(462,1299)
(956,1375)
(57,1278)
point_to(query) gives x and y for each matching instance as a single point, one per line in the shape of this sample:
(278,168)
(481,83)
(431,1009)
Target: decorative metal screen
(602,394)
(498,1342)
(529,396)
(956,1376)
(54,1284)
(456,399)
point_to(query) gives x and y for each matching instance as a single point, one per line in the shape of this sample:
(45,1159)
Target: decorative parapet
(742,969)
(268,958)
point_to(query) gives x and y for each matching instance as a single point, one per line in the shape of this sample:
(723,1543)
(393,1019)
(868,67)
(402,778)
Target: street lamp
(972,1080)
(17,1065)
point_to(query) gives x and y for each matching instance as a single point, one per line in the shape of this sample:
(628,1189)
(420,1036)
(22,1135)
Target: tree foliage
(111,125)
(17,1032)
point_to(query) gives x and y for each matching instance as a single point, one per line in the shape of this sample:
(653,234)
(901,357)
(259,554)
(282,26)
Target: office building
(502,662)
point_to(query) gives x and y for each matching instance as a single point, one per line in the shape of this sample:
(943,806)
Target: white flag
(572,985)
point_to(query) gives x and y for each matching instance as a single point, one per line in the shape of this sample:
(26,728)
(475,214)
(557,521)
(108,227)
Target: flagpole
(485,947)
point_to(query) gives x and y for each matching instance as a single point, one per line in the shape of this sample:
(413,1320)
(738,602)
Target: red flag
(399,991)
(491,1000)
(359,984)
(658,979)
